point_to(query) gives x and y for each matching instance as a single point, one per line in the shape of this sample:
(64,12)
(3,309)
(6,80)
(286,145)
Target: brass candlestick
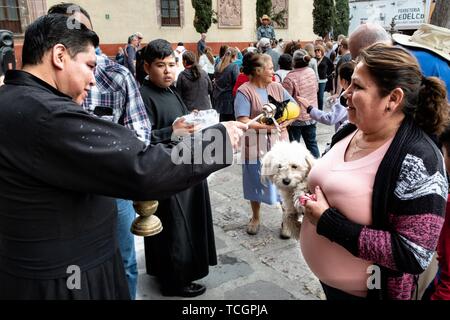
(147,224)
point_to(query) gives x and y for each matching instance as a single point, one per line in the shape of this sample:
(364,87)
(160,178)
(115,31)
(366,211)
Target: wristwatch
(308,110)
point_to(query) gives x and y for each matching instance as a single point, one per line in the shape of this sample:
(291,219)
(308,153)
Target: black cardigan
(409,140)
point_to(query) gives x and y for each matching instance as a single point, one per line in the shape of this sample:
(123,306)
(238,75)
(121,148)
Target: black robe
(185,248)
(60,170)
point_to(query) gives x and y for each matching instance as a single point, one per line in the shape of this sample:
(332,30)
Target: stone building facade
(115,20)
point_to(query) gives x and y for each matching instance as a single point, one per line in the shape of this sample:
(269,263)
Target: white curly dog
(287,165)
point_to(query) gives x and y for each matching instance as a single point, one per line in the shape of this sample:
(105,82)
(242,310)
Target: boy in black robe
(185,248)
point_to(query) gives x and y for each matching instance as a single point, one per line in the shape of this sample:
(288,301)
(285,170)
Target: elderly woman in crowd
(381,189)
(250,98)
(302,82)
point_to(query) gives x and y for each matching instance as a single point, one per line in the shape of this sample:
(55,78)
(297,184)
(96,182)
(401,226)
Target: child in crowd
(338,113)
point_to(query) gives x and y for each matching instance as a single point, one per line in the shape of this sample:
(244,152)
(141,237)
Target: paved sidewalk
(261,267)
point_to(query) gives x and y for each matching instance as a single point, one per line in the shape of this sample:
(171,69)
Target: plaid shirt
(116,98)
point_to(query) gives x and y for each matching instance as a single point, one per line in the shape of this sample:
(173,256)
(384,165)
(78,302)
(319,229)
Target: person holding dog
(381,189)
(250,98)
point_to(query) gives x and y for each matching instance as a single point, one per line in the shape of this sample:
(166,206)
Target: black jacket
(60,169)
(185,248)
(195,93)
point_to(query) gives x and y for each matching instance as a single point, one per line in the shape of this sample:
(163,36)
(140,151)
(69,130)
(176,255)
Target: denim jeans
(320,94)
(126,215)
(309,135)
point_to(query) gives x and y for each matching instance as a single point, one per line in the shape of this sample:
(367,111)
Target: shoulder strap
(278,76)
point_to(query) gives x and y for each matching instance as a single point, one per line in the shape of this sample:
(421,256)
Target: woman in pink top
(302,82)
(381,189)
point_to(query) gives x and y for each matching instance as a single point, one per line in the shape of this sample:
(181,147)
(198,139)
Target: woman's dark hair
(285,62)
(245,60)
(425,98)
(291,47)
(49,30)
(254,61)
(222,50)
(190,60)
(346,71)
(157,49)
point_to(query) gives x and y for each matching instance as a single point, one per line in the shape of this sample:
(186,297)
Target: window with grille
(9,16)
(170,13)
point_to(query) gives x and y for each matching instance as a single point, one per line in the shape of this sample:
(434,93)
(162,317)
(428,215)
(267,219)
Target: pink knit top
(348,187)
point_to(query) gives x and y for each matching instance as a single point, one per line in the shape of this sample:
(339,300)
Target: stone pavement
(261,267)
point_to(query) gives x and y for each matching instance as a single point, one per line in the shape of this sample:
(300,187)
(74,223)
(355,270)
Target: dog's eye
(294,166)
(280,166)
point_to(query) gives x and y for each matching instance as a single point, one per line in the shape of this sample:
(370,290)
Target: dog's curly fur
(287,165)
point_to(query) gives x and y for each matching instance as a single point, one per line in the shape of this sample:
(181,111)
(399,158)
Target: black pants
(336,294)
(227,117)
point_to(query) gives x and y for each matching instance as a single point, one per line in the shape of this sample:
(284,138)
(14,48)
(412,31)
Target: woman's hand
(303,102)
(315,209)
(286,124)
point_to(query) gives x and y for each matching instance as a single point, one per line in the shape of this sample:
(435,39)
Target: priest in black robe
(61,168)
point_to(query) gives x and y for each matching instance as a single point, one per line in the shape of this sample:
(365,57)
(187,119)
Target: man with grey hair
(140,37)
(130,53)
(265,46)
(366,35)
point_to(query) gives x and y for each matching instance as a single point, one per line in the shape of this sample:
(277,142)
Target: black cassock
(60,169)
(185,248)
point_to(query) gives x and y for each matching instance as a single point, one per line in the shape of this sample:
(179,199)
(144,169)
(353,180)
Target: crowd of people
(69,178)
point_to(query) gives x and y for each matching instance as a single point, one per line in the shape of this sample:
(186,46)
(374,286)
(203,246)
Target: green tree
(204,15)
(262,7)
(323,16)
(441,14)
(342,18)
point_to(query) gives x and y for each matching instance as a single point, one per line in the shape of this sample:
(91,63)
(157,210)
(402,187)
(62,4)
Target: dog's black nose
(286,181)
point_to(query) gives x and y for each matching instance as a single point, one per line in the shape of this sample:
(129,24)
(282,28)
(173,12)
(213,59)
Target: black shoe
(189,291)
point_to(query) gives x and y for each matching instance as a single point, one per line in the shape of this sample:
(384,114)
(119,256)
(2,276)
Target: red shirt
(241,79)
(442,286)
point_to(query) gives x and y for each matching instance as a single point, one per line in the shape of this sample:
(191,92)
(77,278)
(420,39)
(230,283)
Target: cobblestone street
(261,267)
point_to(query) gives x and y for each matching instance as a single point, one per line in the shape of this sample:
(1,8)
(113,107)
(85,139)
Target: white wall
(127,17)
